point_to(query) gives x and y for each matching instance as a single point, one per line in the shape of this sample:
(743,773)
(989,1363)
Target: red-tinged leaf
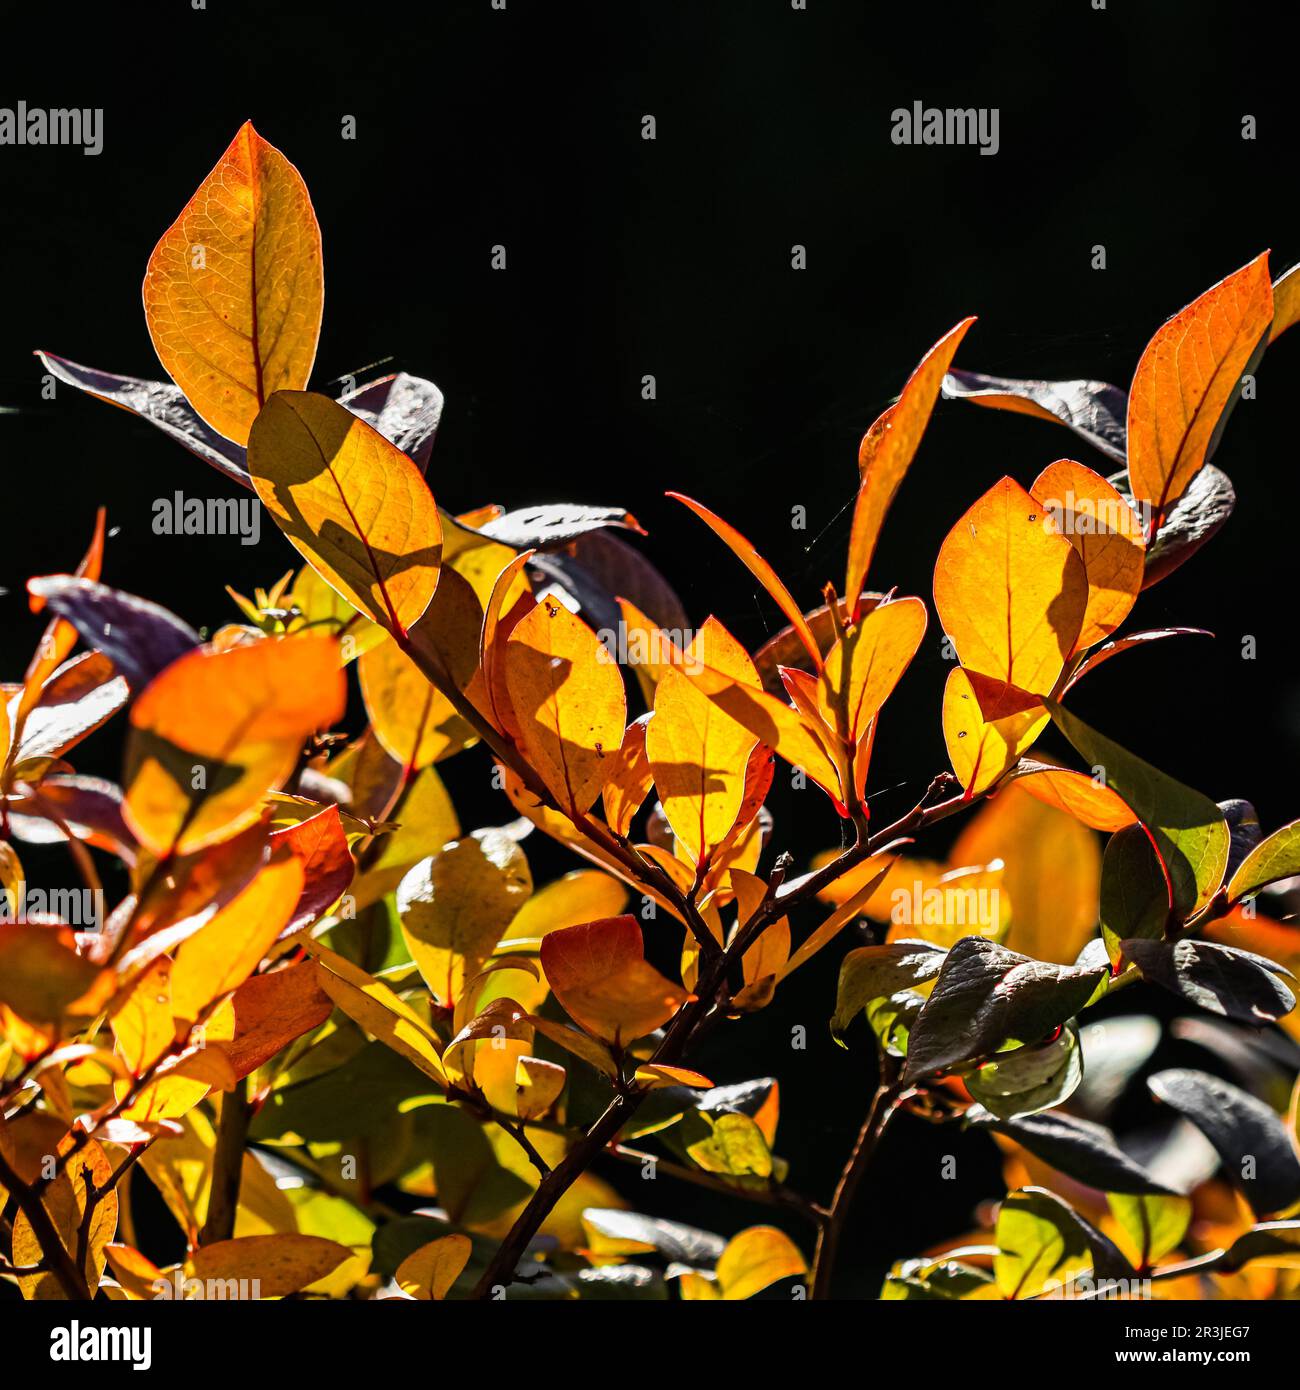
(1185,380)
(761,570)
(321,845)
(599,974)
(886,453)
(139,637)
(270,1011)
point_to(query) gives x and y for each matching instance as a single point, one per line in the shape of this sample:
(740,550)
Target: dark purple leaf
(1094,410)
(138,636)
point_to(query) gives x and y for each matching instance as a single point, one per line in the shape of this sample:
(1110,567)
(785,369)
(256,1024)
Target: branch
(772,1195)
(883,1105)
(227,1165)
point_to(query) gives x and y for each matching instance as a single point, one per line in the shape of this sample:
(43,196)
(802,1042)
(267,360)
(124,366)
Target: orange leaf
(1107,534)
(414,723)
(1185,380)
(216,731)
(270,1011)
(352,504)
(865,665)
(42,976)
(761,570)
(1077,794)
(1011,591)
(321,844)
(567,694)
(886,453)
(599,974)
(235,288)
(983,746)
(222,954)
(699,755)
(632,779)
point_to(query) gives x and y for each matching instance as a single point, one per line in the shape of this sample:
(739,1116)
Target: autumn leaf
(216,731)
(353,505)
(599,973)
(1010,591)
(867,663)
(567,695)
(983,749)
(886,453)
(1105,531)
(698,754)
(1184,382)
(431,1271)
(234,290)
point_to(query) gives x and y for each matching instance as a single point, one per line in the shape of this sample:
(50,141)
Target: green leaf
(1134,894)
(1252,1143)
(1274,858)
(1154,1224)
(929,1280)
(1029,1079)
(1220,979)
(987,996)
(735,1147)
(875,972)
(892,1018)
(471,1183)
(1189,829)
(1041,1245)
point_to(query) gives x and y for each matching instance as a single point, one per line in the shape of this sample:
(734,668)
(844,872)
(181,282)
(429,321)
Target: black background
(1120,127)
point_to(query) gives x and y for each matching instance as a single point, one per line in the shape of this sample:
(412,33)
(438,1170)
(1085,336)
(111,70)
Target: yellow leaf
(1184,381)
(234,290)
(414,722)
(1052,872)
(567,695)
(431,1271)
(216,731)
(1010,590)
(655,1077)
(1107,534)
(537,1086)
(456,905)
(838,920)
(595,1054)
(866,664)
(44,978)
(353,505)
(886,453)
(755,1259)
(272,1266)
(981,750)
(968,901)
(698,754)
(380,1012)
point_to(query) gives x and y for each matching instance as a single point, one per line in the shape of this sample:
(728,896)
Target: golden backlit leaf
(698,754)
(274,1265)
(353,505)
(981,750)
(865,665)
(755,1259)
(234,290)
(431,1271)
(632,779)
(1107,534)
(1010,591)
(567,695)
(414,722)
(1185,380)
